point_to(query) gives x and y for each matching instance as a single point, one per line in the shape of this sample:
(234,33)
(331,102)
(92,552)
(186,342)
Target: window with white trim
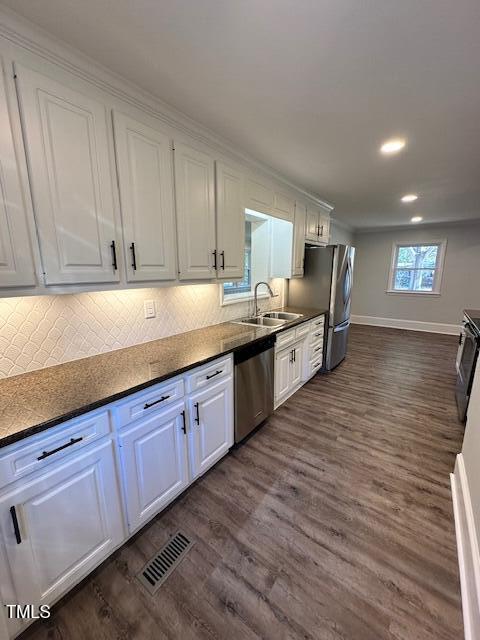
(417,268)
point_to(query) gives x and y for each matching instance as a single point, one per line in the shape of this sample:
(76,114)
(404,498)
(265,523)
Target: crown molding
(426,226)
(23,33)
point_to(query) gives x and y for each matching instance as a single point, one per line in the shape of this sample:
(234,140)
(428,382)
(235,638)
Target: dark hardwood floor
(334,521)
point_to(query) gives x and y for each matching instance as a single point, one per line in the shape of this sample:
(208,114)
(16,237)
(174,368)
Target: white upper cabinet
(318,225)
(230,221)
(145,174)
(299,239)
(195,199)
(67,145)
(283,206)
(259,196)
(16,262)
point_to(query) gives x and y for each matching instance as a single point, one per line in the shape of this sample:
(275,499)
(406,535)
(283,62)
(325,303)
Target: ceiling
(311,88)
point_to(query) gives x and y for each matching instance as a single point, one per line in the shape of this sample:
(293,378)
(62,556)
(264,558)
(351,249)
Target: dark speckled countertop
(33,402)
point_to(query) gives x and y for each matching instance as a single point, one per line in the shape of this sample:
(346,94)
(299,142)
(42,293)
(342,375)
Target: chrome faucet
(255,295)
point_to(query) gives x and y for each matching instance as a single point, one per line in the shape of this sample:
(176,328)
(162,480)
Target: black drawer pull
(134,257)
(217,373)
(147,405)
(317,349)
(16,528)
(222,266)
(319,334)
(214,254)
(114,256)
(45,454)
(184,426)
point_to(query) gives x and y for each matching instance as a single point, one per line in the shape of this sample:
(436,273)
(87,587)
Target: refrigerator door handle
(342,326)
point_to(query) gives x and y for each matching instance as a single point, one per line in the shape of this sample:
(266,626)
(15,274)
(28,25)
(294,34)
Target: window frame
(438,269)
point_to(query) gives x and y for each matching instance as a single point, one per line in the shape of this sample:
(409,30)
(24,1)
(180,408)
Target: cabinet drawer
(146,402)
(38,451)
(209,374)
(283,339)
(315,351)
(316,334)
(315,366)
(318,322)
(302,330)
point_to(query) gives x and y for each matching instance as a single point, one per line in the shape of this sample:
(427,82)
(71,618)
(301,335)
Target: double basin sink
(272,319)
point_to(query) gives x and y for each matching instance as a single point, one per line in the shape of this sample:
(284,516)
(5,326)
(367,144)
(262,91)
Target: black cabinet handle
(114,255)
(321,231)
(318,230)
(291,356)
(197,409)
(222,266)
(212,375)
(184,426)
(134,257)
(72,441)
(16,528)
(214,254)
(317,349)
(147,405)
(318,334)
(294,355)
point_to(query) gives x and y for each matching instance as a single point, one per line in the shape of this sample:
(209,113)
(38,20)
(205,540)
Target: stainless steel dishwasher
(253,385)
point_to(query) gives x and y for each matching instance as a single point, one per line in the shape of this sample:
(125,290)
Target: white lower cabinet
(288,371)
(63,514)
(153,452)
(58,525)
(210,426)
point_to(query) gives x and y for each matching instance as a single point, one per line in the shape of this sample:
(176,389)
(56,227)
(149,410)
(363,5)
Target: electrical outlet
(149,306)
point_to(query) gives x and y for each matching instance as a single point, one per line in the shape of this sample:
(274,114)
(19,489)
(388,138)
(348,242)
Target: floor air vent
(157,570)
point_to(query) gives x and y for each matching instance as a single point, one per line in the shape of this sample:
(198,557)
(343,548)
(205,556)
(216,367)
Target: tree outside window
(416,268)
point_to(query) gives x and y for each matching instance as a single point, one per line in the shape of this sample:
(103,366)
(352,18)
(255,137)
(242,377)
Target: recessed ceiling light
(410,197)
(392,146)
(416,219)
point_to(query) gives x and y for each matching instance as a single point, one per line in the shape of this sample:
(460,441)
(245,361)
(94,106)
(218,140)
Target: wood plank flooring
(333,522)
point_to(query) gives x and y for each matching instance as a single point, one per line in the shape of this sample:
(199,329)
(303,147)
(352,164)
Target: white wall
(461,277)
(42,331)
(340,233)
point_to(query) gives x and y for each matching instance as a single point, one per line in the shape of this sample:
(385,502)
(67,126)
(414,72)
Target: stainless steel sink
(282,315)
(263,321)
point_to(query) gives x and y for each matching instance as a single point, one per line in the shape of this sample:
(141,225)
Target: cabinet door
(324,235)
(313,220)
(283,364)
(16,262)
(67,144)
(145,173)
(230,222)
(259,196)
(211,425)
(283,206)
(195,195)
(299,239)
(154,462)
(69,519)
(296,366)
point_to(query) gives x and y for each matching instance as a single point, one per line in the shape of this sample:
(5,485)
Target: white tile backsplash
(42,331)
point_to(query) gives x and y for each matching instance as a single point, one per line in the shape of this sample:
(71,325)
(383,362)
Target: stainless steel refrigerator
(327,284)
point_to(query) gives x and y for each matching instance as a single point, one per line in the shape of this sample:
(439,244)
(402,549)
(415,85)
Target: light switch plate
(149,306)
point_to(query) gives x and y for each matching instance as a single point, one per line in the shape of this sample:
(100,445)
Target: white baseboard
(468,550)
(411,325)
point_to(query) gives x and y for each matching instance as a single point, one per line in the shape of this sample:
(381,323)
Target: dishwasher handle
(251,350)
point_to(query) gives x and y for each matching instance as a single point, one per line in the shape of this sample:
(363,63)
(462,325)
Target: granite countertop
(474,317)
(35,401)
